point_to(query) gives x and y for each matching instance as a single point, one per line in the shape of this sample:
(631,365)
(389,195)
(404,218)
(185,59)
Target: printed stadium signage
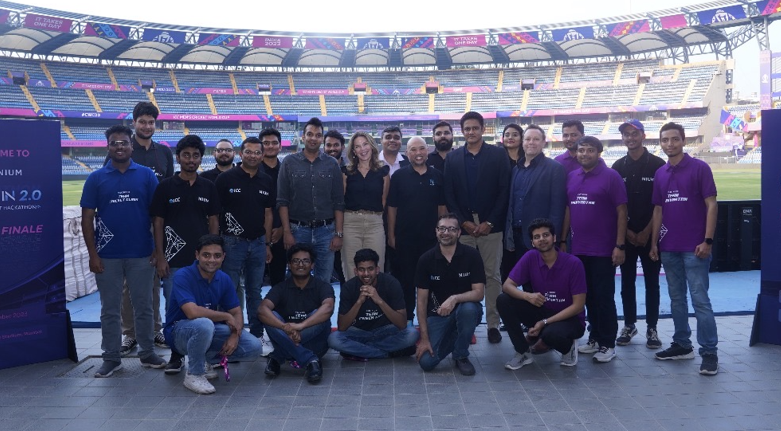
(769,7)
(629,27)
(107,30)
(323,43)
(518,37)
(722,14)
(372,43)
(48,23)
(570,34)
(272,42)
(417,42)
(214,39)
(465,40)
(673,21)
(164,36)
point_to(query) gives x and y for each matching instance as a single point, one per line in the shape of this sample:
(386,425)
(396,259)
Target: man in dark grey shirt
(310,198)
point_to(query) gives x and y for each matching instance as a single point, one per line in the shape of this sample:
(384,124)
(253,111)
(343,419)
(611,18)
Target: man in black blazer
(477,183)
(538,189)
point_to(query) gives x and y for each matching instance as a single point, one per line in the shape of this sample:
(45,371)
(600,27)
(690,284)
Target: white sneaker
(518,361)
(266,346)
(198,384)
(211,373)
(570,359)
(605,354)
(591,347)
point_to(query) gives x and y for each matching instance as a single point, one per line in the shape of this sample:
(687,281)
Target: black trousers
(276,269)
(628,289)
(557,335)
(408,252)
(600,299)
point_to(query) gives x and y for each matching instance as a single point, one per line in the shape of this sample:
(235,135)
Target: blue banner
(722,14)
(33,318)
(568,34)
(164,36)
(372,43)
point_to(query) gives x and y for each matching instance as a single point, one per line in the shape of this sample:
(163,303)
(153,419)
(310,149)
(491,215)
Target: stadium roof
(714,27)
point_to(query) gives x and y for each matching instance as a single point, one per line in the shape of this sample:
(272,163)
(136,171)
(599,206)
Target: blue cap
(634,123)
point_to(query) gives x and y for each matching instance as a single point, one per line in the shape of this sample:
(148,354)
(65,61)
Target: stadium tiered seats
(753,157)
(542,75)
(11,96)
(132,76)
(295,105)
(33,68)
(740,110)
(230,104)
(341,105)
(664,93)
(118,101)
(201,78)
(509,101)
(61,99)
(323,80)
(589,72)
(620,95)
(71,167)
(396,104)
(452,102)
(278,81)
(553,99)
(72,72)
(181,103)
(88,133)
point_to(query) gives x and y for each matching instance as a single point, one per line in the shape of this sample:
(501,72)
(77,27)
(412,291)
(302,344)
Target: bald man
(415,201)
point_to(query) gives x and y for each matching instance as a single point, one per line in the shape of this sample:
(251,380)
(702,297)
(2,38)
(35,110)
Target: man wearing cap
(637,169)
(596,207)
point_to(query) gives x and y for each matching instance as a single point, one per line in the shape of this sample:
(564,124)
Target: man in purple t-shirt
(553,310)
(571,132)
(683,225)
(596,213)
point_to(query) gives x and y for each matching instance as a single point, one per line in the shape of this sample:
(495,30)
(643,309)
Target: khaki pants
(128,326)
(361,230)
(490,248)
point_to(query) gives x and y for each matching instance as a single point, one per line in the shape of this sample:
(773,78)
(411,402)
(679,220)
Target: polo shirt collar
(601,166)
(459,251)
(136,145)
(110,166)
(289,283)
(643,157)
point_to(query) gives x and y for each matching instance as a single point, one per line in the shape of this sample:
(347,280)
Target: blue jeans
(320,239)
(201,340)
(247,257)
(313,345)
(139,275)
(378,343)
(680,269)
(451,334)
(168,285)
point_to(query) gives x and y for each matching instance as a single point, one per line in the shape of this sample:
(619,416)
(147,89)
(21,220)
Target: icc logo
(765,79)
(721,16)
(572,34)
(164,37)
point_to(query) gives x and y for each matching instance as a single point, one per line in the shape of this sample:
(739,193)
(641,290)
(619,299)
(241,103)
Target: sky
(353,16)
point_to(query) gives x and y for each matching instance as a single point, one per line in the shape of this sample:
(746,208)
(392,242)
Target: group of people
(430,235)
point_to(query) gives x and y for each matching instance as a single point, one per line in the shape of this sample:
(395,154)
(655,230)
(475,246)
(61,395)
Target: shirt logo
(202,199)
(431,182)
(236,190)
(123,196)
(175,200)
(263,192)
(464,274)
(582,199)
(675,196)
(435,278)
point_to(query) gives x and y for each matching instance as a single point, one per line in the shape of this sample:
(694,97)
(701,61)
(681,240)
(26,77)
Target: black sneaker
(160,341)
(175,364)
(409,351)
(272,367)
(128,344)
(494,336)
(465,367)
(314,372)
(626,335)
(675,352)
(108,368)
(710,365)
(653,339)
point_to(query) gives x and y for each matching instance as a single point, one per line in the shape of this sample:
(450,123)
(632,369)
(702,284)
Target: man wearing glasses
(246,195)
(204,318)
(184,208)
(224,154)
(451,283)
(116,225)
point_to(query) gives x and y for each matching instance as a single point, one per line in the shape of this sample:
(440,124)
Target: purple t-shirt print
(681,191)
(592,198)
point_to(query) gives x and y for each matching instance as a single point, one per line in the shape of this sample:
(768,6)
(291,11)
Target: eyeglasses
(190,156)
(451,229)
(252,153)
(119,143)
(224,365)
(223,150)
(297,261)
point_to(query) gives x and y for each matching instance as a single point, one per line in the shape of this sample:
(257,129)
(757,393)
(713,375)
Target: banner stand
(73,354)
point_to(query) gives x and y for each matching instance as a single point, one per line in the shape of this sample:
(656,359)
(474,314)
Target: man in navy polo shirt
(117,231)
(451,283)
(185,207)
(247,195)
(553,309)
(415,200)
(204,319)
(596,212)
(684,222)
(297,316)
(372,318)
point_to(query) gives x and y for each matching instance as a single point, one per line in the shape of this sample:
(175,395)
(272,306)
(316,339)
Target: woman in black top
(511,141)
(366,183)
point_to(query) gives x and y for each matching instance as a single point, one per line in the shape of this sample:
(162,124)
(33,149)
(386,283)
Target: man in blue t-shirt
(204,319)
(117,231)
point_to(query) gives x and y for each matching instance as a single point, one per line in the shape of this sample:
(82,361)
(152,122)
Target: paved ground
(634,392)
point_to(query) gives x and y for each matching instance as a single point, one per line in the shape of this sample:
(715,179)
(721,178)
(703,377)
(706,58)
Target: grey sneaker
(653,339)
(153,361)
(626,335)
(519,360)
(108,368)
(128,343)
(570,359)
(710,365)
(198,384)
(605,354)
(266,347)
(591,347)
(211,373)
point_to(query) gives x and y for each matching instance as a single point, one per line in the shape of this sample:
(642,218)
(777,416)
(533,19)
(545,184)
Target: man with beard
(184,208)
(391,144)
(571,131)
(117,232)
(247,195)
(451,284)
(334,145)
(223,155)
(415,201)
(443,144)
(160,160)
(271,140)
(372,318)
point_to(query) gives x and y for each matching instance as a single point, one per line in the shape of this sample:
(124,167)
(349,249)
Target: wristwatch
(709,241)
(621,247)
(339,234)
(544,322)
(491,225)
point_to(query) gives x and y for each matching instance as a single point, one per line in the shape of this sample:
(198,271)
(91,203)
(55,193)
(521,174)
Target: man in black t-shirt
(372,318)
(297,316)
(451,283)
(224,153)
(271,140)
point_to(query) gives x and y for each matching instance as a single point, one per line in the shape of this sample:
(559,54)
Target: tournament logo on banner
(164,36)
(323,43)
(765,80)
(47,23)
(629,27)
(373,43)
(769,7)
(32,288)
(568,34)
(417,42)
(673,21)
(466,40)
(107,30)
(272,42)
(722,14)
(214,39)
(518,37)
